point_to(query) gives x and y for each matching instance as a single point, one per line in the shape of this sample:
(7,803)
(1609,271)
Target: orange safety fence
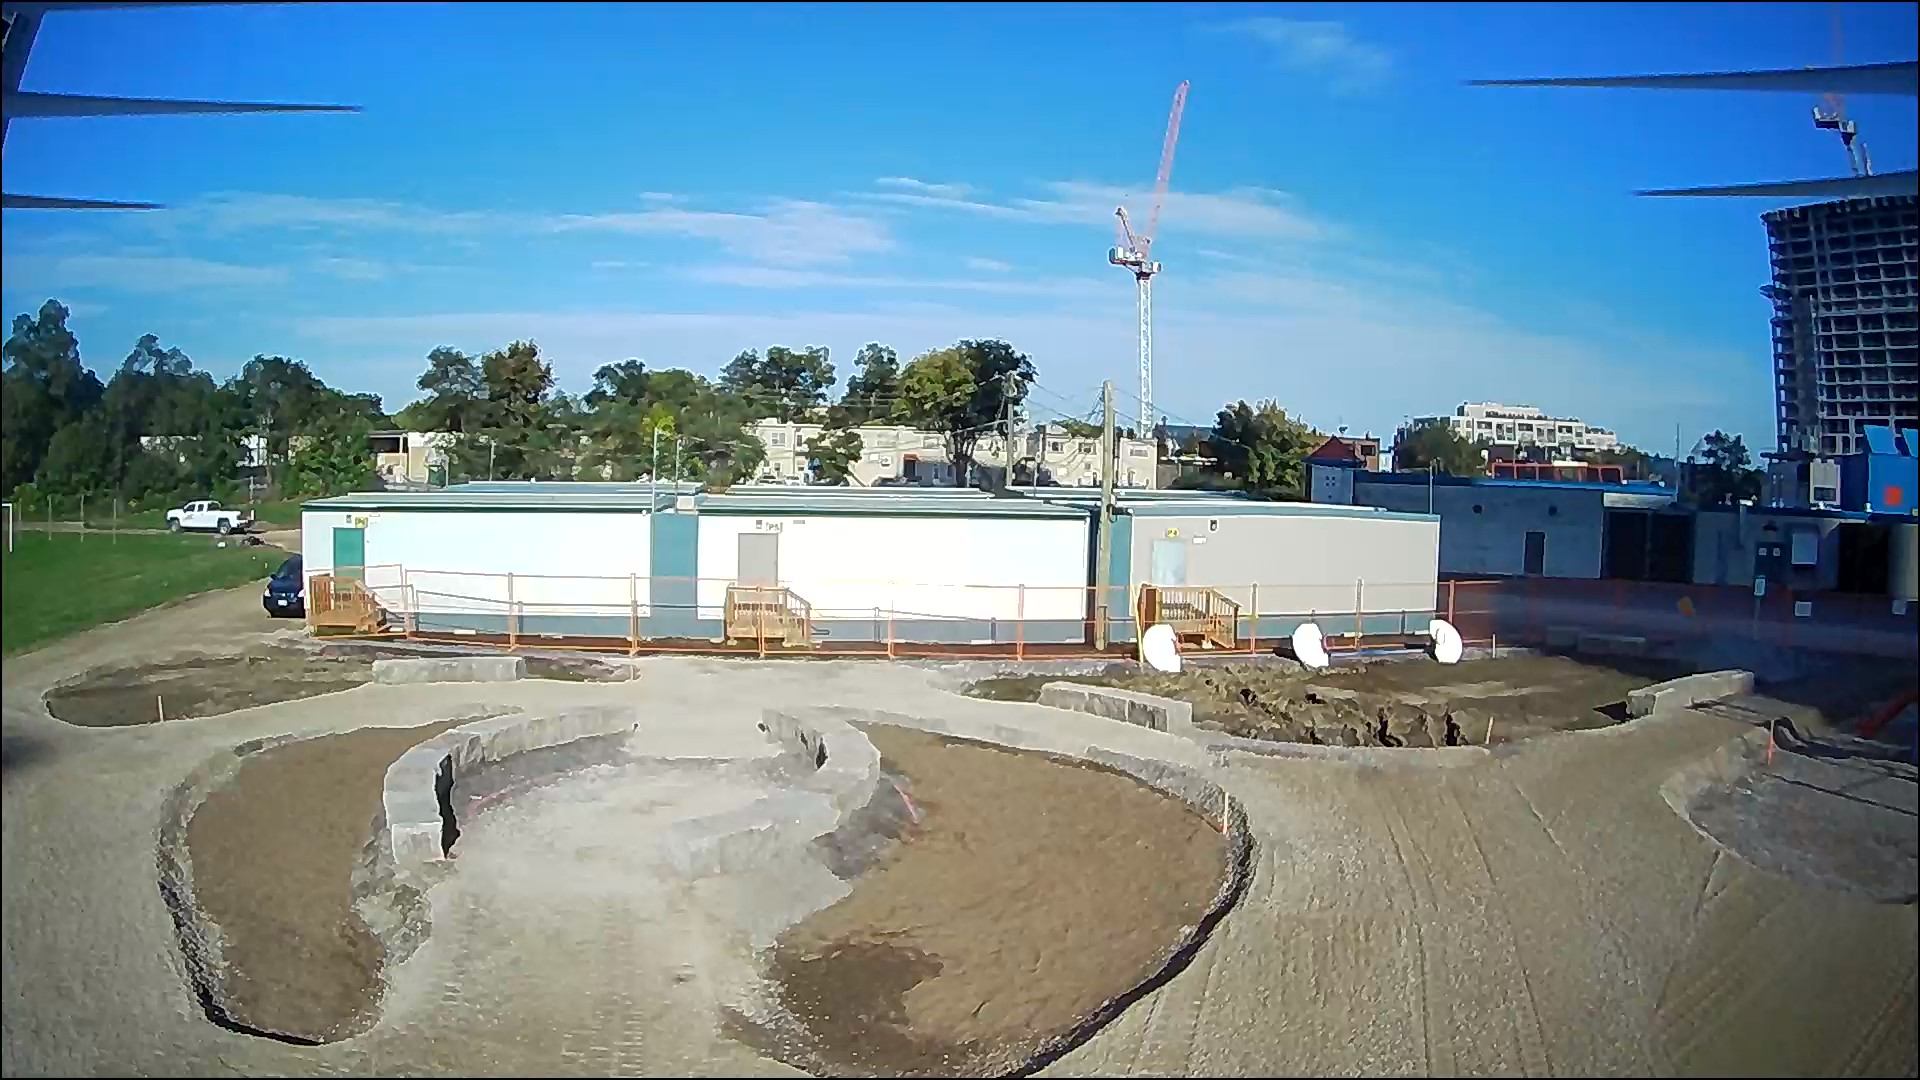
(641,613)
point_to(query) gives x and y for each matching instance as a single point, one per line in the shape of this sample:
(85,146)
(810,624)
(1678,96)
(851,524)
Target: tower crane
(1134,252)
(1834,116)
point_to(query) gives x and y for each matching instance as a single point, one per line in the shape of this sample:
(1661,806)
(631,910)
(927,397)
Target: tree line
(158,429)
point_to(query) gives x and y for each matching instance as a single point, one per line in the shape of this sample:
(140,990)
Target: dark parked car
(286,595)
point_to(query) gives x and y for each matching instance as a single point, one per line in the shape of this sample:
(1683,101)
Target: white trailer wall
(848,565)
(561,563)
(1302,561)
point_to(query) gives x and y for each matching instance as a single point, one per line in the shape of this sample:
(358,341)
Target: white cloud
(921,187)
(788,231)
(990,266)
(1324,50)
(250,211)
(133,272)
(351,269)
(1245,213)
(773,277)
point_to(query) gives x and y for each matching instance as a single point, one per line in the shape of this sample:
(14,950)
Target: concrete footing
(828,770)
(451,669)
(1689,690)
(416,801)
(1143,710)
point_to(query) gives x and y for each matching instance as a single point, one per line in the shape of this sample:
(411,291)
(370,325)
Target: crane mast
(1134,252)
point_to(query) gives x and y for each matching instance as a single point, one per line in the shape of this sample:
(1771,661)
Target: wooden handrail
(1207,614)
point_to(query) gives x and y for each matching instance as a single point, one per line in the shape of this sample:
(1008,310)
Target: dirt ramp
(1033,895)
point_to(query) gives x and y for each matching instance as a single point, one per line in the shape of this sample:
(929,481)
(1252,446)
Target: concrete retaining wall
(1689,690)
(827,770)
(451,669)
(1143,710)
(419,827)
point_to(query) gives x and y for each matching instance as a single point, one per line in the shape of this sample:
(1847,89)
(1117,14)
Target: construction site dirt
(1031,891)
(1413,702)
(182,689)
(1541,909)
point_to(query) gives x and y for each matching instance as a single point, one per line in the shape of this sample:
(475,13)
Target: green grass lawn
(58,584)
(277,514)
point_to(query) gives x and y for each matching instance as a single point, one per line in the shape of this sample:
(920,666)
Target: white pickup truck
(209,516)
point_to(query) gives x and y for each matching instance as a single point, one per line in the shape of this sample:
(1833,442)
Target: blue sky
(1351,231)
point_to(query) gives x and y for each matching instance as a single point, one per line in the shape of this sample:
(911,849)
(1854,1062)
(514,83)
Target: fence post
(889,626)
(633,614)
(1359,620)
(760,619)
(1450,616)
(513,616)
(1020,622)
(1253,620)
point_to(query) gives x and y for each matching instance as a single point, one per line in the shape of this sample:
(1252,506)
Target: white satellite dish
(1447,646)
(1160,649)
(1310,646)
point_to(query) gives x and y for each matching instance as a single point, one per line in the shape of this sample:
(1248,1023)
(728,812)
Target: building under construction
(1846,279)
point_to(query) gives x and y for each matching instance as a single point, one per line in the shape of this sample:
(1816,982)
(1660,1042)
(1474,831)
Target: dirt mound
(1031,891)
(204,686)
(575,668)
(1410,703)
(272,854)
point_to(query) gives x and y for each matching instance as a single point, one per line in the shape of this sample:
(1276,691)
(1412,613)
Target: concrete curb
(450,669)
(416,800)
(1689,690)
(1425,757)
(827,770)
(1127,706)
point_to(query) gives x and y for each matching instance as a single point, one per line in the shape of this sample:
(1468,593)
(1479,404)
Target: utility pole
(1006,412)
(1102,573)
(653,475)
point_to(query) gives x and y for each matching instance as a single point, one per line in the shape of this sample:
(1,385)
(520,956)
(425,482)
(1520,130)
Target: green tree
(873,390)
(333,455)
(833,452)
(1262,448)
(454,389)
(1435,443)
(43,388)
(963,390)
(1723,474)
(786,383)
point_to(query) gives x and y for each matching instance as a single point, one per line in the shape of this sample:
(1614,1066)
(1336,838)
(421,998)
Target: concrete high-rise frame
(1846,315)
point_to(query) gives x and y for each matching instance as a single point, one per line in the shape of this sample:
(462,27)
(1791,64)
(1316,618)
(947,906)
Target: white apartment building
(1523,425)
(892,453)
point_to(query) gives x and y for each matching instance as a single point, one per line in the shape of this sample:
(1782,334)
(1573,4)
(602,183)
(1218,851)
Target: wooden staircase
(342,602)
(768,614)
(1205,617)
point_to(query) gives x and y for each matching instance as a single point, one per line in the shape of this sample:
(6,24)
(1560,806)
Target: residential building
(1845,282)
(411,457)
(895,454)
(1362,452)
(1493,424)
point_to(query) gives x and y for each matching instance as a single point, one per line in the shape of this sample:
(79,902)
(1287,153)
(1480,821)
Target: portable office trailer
(620,560)
(474,561)
(948,567)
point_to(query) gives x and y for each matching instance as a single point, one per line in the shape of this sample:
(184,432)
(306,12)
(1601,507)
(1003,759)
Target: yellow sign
(1173,532)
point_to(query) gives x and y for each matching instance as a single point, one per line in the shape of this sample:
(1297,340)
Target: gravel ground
(1542,911)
